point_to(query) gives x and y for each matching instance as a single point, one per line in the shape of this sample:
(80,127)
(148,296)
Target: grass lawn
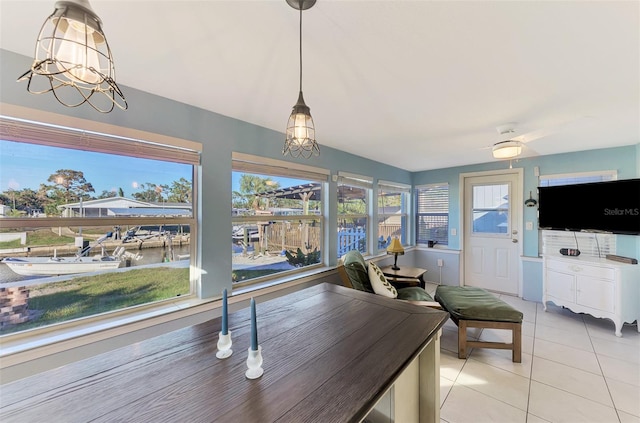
(89,295)
(39,237)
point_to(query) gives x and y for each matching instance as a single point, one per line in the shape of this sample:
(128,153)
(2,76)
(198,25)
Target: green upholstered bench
(472,307)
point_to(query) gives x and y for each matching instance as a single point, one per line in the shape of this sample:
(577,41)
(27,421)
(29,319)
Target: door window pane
(491,209)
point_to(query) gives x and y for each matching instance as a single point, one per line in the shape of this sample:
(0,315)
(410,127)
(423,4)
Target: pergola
(312,190)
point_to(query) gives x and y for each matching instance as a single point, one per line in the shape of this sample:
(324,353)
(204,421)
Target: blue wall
(621,159)
(219,135)
(624,160)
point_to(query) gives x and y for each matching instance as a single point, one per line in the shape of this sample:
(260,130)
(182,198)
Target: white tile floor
(574,369)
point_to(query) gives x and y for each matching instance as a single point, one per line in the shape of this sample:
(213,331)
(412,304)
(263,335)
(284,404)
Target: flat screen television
(612,206)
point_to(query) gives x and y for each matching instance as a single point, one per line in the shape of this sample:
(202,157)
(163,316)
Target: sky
(24,165)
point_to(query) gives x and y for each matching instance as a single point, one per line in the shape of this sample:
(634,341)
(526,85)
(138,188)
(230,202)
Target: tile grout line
(615,408)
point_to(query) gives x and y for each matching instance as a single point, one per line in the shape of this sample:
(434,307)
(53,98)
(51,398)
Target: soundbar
(621,259)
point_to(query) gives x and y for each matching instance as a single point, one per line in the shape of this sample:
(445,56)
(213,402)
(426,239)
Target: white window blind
(279,169)
(432,213)
(354,180)
(20,130)
(577,178)
(393,187)
(589,244)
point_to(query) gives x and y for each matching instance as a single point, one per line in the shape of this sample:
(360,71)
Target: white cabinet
(599,287)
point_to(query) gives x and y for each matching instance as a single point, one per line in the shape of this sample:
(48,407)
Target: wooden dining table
(330,354)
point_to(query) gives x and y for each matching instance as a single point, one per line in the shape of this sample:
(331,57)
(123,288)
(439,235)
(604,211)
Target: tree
(120,192)
(5,199)
(180,191)
(28,200)
(69,186)
(150,192)
(106,194)
(250,185)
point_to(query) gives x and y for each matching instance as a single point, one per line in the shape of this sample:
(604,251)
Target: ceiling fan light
(507,149)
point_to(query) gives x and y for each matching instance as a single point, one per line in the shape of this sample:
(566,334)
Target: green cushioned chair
(477,308)
(354,274)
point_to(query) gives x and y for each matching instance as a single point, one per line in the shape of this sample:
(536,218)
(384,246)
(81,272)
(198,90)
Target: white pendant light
(300,137)
(73,57)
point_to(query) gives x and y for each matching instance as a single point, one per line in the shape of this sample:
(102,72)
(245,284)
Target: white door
(491,238)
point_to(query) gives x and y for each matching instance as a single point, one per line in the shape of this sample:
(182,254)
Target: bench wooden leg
(462,339)
(516,337)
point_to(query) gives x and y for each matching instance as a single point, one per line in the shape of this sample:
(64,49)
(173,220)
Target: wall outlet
(440,262)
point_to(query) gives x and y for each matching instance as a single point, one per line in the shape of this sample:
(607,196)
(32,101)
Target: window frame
(250,164)
(418,214)
(108,139)
(365,183)
(590,244)
(393,188)
(579,177)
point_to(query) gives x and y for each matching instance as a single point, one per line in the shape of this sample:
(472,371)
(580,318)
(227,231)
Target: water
(149,256)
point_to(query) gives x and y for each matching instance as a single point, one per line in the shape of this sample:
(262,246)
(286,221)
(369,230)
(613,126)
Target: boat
(80,263)
(245,232)
(49,266)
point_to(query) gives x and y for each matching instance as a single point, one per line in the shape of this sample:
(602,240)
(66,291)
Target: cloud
(13,184)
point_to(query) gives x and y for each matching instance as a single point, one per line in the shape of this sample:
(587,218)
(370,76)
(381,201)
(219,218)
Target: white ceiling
(416,84)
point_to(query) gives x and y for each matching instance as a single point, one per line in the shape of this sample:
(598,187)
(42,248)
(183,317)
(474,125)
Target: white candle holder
(254,363)
(224,345)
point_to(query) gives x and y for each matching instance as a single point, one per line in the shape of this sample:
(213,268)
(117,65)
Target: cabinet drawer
(579,268)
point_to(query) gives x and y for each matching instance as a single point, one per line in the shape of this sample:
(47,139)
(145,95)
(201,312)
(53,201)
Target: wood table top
(329,354)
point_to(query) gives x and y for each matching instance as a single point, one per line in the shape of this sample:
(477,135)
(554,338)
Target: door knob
(514,240)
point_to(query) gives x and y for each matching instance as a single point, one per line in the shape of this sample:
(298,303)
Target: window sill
(34,343)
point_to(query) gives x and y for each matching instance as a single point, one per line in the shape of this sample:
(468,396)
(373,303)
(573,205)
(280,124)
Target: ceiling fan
(510,147)
(512,144)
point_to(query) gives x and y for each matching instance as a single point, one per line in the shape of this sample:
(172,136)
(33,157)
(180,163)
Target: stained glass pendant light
(301,134)
(73,60)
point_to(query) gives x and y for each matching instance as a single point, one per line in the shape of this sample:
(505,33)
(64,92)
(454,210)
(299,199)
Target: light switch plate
(529,226)
(454,232)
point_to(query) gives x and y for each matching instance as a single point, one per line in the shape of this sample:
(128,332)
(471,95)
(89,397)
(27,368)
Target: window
(490,209)
(589,244)
(392,212)
(577,178)
(92,223)
(277,218)
(432,214)
(354,192)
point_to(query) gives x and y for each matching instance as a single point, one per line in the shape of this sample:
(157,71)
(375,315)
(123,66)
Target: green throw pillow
(356,269)
(414,293)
